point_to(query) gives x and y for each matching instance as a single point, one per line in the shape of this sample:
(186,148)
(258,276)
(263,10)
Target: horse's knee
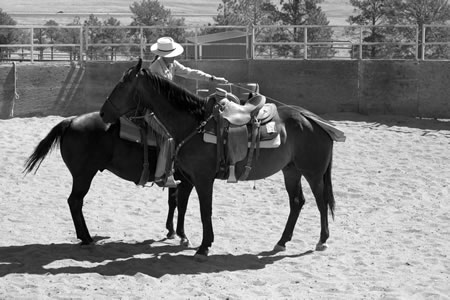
(297,202)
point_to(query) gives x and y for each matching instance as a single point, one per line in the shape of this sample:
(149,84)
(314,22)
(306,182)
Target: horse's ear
(138,66)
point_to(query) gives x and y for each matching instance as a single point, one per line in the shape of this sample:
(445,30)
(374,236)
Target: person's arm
(186,72)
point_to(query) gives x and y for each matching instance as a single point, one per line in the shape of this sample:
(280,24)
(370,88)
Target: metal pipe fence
(113,43)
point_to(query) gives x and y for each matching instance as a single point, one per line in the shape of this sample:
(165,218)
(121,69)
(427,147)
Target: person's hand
(220,80)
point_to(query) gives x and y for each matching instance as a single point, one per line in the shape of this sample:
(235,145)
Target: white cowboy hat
(166,47)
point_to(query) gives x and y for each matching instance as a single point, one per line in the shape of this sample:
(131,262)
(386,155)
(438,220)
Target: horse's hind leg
(292,181)
(80,187)
(317,187)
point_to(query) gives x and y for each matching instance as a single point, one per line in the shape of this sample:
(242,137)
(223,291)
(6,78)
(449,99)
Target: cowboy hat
(166,47)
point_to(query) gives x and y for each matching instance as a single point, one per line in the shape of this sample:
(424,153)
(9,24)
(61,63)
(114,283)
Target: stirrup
(170,182)
(232,176)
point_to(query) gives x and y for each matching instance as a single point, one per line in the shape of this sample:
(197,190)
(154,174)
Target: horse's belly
(269,162)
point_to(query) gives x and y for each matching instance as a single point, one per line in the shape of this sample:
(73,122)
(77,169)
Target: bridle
(136,112)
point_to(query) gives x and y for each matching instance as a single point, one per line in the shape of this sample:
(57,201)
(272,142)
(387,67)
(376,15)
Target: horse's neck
(178,123)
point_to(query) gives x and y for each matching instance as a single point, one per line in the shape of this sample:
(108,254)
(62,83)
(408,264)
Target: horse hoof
(171,235)
(200,257)
(184,242)
(86,245)
(321,246)
(279,248)
(201,254)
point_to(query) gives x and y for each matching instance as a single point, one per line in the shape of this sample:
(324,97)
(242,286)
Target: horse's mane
(178,96)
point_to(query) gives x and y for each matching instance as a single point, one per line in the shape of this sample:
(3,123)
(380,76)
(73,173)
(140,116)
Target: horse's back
(89,122)
(92,144)
(87,143)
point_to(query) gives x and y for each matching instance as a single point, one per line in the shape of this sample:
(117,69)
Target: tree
(150,13)
(44,35)
(304,12)
(421,12)
(289,12)
(153,13)
(113,35)
(372,13)
(52,34)
(406,12)
(244,12)
(71,36)
(92,25)
(7,36)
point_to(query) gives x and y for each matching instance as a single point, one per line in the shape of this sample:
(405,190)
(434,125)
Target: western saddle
(237,126)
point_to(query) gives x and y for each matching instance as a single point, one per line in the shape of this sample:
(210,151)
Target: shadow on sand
(392,121)
(153,258)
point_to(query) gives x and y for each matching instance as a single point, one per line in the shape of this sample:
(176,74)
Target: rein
(128,114)
(199,129)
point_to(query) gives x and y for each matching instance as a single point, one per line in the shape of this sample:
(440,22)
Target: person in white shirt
(166,65)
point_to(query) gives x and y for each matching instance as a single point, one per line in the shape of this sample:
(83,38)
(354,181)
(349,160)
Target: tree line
(371,13)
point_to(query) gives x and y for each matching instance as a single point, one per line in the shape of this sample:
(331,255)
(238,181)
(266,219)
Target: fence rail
(84,43)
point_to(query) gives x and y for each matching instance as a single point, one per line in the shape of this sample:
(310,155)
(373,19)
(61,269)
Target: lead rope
(267,97)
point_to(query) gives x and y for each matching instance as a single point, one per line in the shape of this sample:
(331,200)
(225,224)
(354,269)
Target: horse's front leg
(184,191)
(172,200)
(205,190)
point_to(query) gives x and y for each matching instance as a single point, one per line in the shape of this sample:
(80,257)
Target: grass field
(336,10)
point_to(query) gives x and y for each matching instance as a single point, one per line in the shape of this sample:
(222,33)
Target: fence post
(141,33)
(196,44)
(86,38)
(423,42)
(360,54)
(247,41)
(81,45)
(32,44)
(252,55)
(305,42)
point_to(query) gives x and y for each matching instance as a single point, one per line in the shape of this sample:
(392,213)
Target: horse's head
(122,99)
(172,104)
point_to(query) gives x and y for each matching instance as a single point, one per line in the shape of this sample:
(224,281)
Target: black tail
(45,146)
(328,191)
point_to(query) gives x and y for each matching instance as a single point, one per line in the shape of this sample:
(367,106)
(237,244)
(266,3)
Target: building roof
(219,36)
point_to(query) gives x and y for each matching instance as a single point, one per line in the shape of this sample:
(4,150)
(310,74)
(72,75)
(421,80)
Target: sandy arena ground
(390,238)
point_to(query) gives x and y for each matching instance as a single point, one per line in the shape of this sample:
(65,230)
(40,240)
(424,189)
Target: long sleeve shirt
(176,68)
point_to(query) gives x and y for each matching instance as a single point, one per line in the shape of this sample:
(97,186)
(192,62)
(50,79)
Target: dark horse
(306,149)
(88,145)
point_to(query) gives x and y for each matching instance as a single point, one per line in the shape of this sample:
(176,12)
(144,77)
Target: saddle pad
(273,143)
(131,132)
(334,133)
